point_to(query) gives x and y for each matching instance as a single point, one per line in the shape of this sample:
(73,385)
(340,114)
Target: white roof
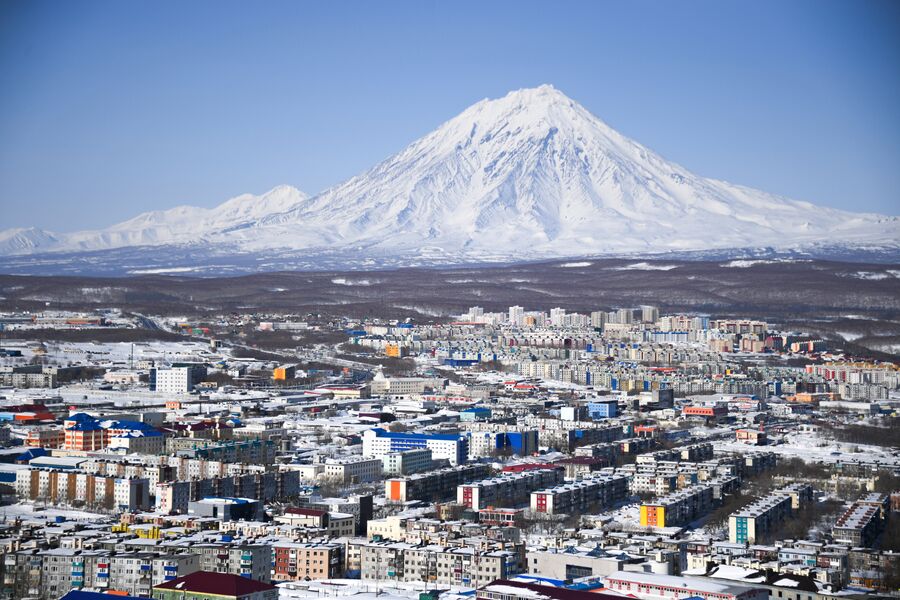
(687,583)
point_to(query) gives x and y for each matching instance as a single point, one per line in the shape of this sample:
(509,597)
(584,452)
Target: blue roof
(132,434)
(136,425)
(80,595)
(415,436)
(476,409)
(85,426)
(31,453)
(80,417)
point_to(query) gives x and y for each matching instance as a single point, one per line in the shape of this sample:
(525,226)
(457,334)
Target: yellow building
(653,515)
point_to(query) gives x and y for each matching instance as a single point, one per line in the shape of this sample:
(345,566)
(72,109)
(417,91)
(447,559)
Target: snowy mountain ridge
(530,175)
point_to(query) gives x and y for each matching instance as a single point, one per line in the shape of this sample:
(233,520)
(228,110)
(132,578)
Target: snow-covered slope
(529,175)
(25,240)
(179,225)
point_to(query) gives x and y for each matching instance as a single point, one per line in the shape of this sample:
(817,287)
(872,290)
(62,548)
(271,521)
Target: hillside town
(533,453)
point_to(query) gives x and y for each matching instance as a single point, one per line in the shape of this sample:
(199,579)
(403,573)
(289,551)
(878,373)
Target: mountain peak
(532,174)
(544,92)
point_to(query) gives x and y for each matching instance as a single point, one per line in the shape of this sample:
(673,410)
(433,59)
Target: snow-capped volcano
(529,175)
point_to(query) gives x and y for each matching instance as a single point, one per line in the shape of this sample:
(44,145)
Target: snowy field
(30,513)
(812,447)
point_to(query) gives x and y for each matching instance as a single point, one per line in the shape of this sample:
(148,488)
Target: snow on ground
(745,263)
(630,514)
(121,352)
(28,512)
(849,336)
(645,266)
(811,447)
(873,275)
(164,270)
(573,265)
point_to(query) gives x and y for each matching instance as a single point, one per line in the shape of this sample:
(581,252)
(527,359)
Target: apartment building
(353,469)
(135,573)
(859,525)
(378,442)
(333,523)
(651,482)
(568,435)
(253,561)
(166,468)
(69,487)
(255,451)
(756,522)
(578,496)
(491,439)
(508,489)
(406,462)
(461,566)
(176,380)
(294,561)
(174,496)
(801,494)
(678,508)
(402,386)
(44,437)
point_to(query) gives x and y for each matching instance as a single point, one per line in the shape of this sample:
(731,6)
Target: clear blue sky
(112,108)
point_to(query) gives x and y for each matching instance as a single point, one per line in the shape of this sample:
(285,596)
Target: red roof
(220,584)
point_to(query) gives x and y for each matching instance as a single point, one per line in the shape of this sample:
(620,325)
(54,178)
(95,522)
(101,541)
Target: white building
(407,462)
(378,442)
(557,316)
(353,470)
(176,380)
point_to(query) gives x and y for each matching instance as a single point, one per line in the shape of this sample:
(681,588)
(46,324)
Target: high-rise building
(176,380)
(516,315)
(557,316)
(625,315)
(649,314)
(598,319)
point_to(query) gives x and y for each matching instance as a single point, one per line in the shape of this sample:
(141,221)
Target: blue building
(475,413)
(603,409)
(378,442)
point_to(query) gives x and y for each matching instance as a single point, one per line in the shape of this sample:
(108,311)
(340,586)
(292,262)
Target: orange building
(396,351)
(85,438)
(284,373)
(813,397)
(713,411)
(751,436)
